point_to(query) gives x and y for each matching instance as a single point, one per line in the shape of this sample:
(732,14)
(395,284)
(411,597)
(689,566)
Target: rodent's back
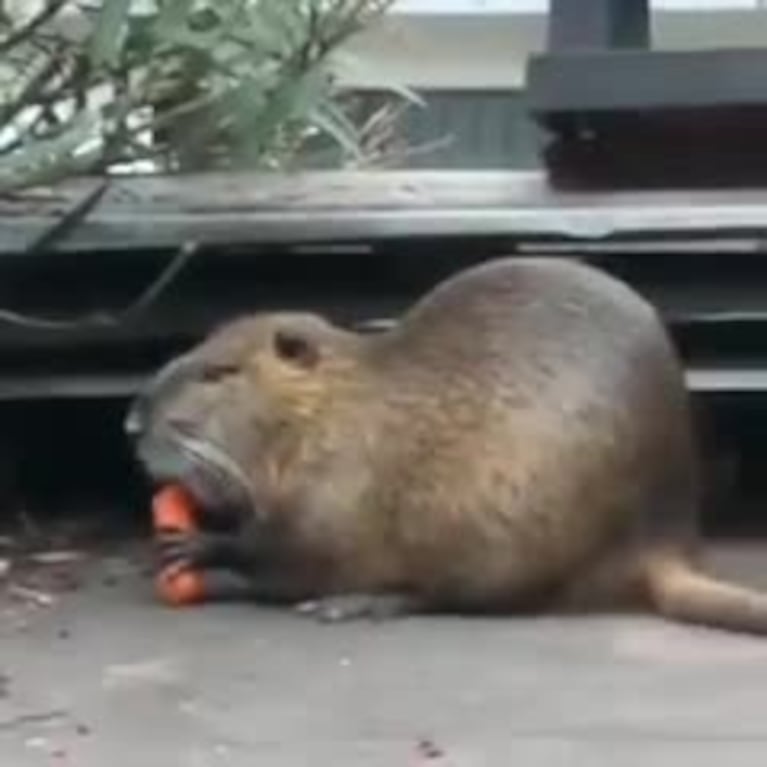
(539,411)
(512,314)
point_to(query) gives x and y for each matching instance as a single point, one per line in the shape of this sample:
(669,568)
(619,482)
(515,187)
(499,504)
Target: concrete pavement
(105,677)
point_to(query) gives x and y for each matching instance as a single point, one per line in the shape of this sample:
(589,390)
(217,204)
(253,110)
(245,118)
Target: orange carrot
(173,509)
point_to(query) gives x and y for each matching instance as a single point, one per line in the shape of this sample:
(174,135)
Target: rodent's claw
(195,549)
(180,550)
(346,607)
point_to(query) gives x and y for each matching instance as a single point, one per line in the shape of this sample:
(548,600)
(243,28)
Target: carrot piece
(180,589)
(173,509)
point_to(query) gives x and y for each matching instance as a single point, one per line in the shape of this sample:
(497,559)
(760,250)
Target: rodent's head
(216,418)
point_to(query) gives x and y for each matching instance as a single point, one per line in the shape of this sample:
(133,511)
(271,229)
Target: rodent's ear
(291,345)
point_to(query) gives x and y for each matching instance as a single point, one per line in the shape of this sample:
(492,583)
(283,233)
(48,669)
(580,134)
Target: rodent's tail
(679,592)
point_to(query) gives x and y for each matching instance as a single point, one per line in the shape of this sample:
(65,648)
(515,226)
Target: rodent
(520,440)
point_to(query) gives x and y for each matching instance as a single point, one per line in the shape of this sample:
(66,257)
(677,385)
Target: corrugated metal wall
(482,130)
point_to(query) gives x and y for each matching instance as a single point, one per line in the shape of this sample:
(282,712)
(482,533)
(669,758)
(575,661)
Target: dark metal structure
(360,247)
(619,113)
(676,132)
(650,174)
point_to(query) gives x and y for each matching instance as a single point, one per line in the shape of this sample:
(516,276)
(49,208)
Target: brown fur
(520,440)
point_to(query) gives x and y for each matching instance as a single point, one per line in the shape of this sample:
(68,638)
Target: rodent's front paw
(346,607)
(182,550)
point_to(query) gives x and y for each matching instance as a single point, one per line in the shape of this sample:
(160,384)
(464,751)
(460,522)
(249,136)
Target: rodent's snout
(162,386)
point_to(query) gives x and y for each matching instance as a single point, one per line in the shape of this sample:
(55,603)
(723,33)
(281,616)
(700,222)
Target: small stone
(56,557)
(65,582)
(36,742)
(427,749)
(30,595)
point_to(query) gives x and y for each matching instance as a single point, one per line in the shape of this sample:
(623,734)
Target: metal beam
(331,207)
(598,24)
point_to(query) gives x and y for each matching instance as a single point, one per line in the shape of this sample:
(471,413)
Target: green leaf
(140,39)
(353,63)
(209,41)
(331,120)
(38,159)
(253,32)
(105,45)
(174,13)
(281,21)
(295,97)
(227,81)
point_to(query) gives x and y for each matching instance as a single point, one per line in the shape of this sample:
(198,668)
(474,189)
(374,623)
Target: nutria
(520,440)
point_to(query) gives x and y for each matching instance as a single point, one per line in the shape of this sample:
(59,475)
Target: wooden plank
(238,209)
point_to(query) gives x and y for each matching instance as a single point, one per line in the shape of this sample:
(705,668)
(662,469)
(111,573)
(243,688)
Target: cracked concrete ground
(105,676)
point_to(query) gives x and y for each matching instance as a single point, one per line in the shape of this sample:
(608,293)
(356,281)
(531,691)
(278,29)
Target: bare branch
(52,7)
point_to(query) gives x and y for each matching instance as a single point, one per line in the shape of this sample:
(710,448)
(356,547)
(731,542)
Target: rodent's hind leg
(612,584)
(354,606)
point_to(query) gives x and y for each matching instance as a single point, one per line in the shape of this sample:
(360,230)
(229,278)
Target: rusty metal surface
(216,209)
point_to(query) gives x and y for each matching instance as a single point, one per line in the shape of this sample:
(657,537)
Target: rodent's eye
(217,371)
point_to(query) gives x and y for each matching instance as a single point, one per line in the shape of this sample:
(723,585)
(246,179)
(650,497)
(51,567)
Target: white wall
(540,6)
(487,46)
(485,43)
